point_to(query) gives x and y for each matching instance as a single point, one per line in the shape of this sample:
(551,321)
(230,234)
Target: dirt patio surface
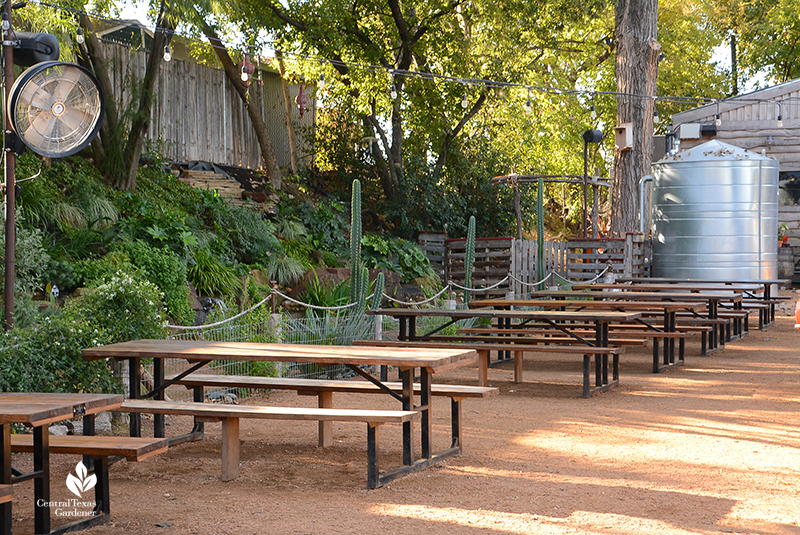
(711,447)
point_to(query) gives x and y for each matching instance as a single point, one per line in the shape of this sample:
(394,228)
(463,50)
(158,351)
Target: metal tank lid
(713,151)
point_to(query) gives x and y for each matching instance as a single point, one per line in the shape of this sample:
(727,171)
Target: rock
(57,429)
(410,293)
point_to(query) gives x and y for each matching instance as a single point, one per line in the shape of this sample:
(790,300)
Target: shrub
(47,358)
(127,307)
(251,235)
(211,277)
(166,270)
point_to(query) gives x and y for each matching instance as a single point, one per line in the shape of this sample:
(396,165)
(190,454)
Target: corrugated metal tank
(715,214)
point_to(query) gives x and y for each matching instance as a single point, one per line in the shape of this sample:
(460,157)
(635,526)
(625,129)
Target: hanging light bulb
(464,101)
(718,121)
(393,92)
(167,53)
(593,113)
(780,121)
(245,75)
(528,106)
(656,117)
(6,25)
(321,80)
(79,36)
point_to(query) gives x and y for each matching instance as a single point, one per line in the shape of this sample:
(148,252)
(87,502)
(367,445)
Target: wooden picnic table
(766,283)
(411,361)
(711,299)
(557,319)
(667,308)
(39,410)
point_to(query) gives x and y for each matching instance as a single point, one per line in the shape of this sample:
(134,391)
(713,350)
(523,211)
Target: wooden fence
(492,264)
(198,115)
(496,258)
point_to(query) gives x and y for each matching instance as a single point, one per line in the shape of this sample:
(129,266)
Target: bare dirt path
(712,447)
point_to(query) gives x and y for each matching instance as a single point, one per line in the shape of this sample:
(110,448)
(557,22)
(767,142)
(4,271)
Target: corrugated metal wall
(199,116)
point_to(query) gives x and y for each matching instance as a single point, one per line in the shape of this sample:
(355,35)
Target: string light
(393,92)
(656,117)
(6,25)
(464,101)
(780,117)
(414,74)
(79,36)
(593,112)
(245,74)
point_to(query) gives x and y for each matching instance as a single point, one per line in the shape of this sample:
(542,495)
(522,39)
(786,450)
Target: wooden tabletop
(681,281)
(432,359)
(687,287)
(38,408)
(557,315)
(640,296)
(595,305)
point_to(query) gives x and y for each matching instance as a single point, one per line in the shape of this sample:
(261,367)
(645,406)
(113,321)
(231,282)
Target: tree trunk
(99,64)
(636,66)
(287,101)
(126,180)
(268,157)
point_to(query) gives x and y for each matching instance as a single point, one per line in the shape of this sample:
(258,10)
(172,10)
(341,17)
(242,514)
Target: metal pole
(585,181)
(10,172)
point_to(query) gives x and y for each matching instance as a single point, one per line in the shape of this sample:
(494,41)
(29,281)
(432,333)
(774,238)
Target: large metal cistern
(715,214)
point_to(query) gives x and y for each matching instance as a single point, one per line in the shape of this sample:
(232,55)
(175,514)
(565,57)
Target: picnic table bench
(602,380)
(6,493)
(325,388)
(230,415)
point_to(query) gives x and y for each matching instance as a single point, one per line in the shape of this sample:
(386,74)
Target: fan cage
(56,108)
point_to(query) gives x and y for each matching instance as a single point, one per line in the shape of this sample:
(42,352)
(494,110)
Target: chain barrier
(222,322)
(447,287)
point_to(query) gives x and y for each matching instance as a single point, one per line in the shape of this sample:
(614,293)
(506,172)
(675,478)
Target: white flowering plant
(47,358)
(126,307)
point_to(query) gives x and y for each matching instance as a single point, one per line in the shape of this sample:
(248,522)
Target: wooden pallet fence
(587,258)
(523,263)
(434,245)
(492,264)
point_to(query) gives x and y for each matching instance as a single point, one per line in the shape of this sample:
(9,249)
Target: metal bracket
(79,411)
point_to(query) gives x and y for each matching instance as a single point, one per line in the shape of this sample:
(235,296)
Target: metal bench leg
(373,472)
(325,401)
(455,423)
(587,391)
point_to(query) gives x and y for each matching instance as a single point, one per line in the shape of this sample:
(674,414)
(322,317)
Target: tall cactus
(355,244)
(469,258)
(540,268)
(377,296)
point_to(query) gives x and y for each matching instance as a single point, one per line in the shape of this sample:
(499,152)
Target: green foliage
(211,277)
(127,307)
(46,358)
(30,256)
(326,224)
(166,270)
(252,237)
(397,255)
(285,269)
(325,294)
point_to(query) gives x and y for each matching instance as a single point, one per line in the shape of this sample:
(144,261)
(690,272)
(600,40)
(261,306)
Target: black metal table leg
(5,478)
(41,484)
(158,381)
(407,376)
(136,393)
(425,408)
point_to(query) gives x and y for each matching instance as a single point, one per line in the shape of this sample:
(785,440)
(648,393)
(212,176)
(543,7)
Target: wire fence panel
(325,330)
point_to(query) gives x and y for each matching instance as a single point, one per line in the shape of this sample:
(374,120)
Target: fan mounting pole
(10,172)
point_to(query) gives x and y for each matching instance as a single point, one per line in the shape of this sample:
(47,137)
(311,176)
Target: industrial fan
(56,108)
